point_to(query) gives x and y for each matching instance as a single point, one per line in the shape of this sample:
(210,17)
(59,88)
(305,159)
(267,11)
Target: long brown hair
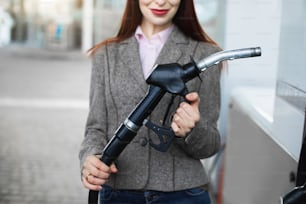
(185,19)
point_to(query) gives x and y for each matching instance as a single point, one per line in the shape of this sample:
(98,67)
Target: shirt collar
(162,35)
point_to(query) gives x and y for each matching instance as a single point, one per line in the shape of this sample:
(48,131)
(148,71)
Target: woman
(152,32)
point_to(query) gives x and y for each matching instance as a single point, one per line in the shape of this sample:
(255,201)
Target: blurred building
(46,23)
(77,24)
(6,24)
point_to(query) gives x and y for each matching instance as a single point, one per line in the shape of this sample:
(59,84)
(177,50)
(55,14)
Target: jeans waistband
(204,187)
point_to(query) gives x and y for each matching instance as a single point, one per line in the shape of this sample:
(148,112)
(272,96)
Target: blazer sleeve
(96,125)
(204,139)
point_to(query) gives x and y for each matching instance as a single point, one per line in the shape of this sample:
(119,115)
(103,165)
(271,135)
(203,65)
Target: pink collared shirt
(150,48)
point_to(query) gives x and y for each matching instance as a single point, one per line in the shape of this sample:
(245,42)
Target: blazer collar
(172,50)
(129,55)
(170,53)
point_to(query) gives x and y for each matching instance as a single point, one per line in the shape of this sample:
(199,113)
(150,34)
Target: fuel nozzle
(228,55)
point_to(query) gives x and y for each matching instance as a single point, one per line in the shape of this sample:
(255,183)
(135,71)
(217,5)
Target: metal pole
(87,25)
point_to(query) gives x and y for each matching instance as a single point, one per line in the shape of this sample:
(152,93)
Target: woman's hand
(186,116)
(95,173)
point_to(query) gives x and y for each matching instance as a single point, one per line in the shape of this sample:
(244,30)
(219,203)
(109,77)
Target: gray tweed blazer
(118,84)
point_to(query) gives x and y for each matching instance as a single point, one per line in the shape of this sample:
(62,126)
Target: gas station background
(263,99)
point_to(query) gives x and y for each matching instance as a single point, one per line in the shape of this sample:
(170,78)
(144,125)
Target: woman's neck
(149,29)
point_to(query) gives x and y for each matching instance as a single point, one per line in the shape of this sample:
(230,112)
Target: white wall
(292,61)
(290,103)
(250,23)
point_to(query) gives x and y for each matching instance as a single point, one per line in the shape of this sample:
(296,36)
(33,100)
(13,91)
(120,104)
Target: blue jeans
(190,196)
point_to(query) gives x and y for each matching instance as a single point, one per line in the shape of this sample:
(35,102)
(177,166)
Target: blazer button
(143,141)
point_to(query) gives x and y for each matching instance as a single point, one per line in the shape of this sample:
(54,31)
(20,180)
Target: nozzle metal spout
(228,55)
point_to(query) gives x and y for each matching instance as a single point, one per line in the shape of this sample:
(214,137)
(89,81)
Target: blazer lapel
(129,55)
(171,52)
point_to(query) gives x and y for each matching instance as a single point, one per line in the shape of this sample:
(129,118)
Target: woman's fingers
(186,116)
(194,99)
(113,168)
(90,186)
(95,173)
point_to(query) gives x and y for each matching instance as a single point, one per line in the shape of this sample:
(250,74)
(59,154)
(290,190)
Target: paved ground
(43,107)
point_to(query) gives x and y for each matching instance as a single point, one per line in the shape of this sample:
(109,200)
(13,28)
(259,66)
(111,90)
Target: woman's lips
(159,12)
